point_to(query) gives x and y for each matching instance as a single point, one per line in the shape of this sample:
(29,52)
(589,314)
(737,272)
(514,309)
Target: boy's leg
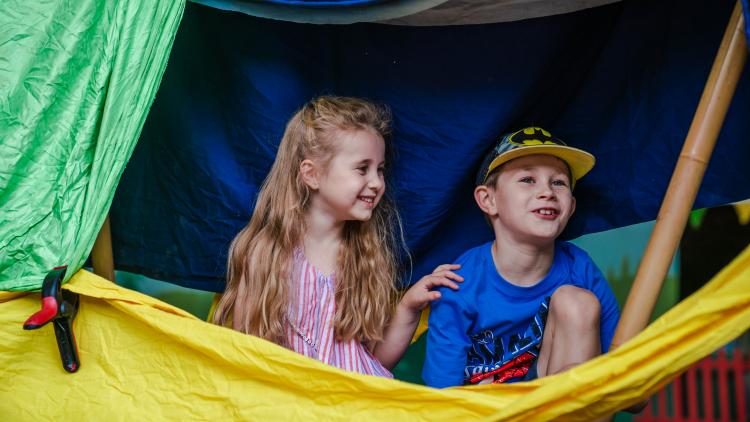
(571,335)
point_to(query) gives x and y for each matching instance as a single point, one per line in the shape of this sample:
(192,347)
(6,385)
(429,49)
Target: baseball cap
(535,140)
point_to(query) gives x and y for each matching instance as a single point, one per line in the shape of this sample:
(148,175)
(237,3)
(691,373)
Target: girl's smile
(368,200)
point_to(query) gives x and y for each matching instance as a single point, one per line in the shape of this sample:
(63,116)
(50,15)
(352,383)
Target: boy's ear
(485,200)
(309,174)
(573,206)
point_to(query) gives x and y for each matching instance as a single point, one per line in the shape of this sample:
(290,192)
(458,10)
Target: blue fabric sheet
(746,14)
(621,81)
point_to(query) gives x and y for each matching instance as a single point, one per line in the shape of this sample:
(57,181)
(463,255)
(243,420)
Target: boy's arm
(447,341)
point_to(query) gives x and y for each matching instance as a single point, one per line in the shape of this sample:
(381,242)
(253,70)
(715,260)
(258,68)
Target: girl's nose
(376,182)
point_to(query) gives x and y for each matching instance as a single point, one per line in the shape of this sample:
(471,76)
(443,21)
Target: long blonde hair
(257,296)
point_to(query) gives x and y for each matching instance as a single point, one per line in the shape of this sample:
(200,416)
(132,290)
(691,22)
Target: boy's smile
(531,200)
(547,213)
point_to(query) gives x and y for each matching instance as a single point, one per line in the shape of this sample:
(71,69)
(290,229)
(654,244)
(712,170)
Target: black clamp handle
(60,307)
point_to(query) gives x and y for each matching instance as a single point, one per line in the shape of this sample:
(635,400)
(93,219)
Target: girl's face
(351,184)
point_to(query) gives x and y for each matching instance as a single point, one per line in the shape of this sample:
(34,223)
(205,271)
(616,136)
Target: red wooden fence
(715,389)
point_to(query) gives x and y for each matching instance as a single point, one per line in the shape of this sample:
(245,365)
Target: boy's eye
(527,179)
(560,182)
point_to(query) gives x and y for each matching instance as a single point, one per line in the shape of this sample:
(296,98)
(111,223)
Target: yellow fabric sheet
(142,359)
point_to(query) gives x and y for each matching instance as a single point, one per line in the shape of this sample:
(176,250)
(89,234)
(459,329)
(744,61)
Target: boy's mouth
(547,213)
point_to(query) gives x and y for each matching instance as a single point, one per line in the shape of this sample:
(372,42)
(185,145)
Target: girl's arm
(399,332)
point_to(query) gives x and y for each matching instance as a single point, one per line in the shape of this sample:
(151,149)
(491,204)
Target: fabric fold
(158,361)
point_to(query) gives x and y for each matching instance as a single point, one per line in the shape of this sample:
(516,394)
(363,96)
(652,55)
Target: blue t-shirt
(489,322)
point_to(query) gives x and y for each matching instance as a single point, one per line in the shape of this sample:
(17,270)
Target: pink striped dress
(310,327)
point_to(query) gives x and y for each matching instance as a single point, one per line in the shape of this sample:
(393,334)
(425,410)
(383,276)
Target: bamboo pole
(101,254)
(686,179)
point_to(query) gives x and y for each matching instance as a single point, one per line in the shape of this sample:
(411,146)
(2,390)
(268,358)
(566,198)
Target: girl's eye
(381,170)
(527,179)
(362,170)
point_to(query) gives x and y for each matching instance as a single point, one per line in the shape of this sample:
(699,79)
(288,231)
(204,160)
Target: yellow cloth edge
(272,381)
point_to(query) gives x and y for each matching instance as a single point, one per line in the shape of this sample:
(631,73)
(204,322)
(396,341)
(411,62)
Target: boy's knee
(575,306)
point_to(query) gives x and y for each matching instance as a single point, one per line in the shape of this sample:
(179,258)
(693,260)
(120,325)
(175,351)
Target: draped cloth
(76,82)
(402,12)
(153,361)
(621,81)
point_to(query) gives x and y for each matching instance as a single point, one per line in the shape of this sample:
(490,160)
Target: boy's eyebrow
(566,172)
(530,168)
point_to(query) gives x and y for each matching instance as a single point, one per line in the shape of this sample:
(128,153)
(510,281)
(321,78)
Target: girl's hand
(401,329)
(421,293)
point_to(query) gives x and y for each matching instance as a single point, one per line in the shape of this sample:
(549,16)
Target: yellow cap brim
(579,161)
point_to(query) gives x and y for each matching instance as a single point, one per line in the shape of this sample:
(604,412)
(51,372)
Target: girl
(314,270)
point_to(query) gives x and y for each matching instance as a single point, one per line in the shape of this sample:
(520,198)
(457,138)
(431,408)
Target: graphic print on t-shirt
(505,359)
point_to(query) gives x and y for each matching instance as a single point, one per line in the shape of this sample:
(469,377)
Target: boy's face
(531,200)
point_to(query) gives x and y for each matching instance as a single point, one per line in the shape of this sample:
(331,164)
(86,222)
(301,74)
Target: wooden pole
(101,254)
(686,179)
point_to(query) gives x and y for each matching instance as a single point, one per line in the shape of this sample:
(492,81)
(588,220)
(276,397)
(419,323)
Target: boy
(530,305)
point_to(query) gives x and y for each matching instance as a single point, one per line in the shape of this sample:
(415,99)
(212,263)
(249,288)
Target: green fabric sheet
(77,79)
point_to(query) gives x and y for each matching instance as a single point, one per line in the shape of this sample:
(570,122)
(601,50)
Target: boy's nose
(545,192)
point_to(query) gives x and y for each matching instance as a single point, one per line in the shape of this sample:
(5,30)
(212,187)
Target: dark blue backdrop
(621,81)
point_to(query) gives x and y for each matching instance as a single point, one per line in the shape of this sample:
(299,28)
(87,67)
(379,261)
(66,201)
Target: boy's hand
(421,293)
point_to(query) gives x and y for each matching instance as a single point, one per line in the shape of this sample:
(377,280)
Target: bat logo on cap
(533,136)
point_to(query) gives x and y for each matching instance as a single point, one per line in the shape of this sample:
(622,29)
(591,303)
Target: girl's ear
(485,200)
(309,174)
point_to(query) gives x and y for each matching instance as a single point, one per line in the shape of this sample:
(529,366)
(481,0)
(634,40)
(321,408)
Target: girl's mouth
(370,200)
